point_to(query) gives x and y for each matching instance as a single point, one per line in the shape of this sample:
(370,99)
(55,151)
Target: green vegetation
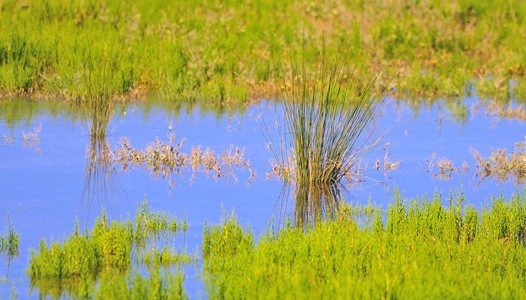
(327,122)
(419,249)
(106,255)
(221,52)
(324,134)
(135,286)
(9,243)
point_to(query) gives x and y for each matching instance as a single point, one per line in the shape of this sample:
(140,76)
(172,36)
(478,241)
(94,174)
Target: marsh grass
(218,53)
(326,116)
(419,248)
(75,265)
(9,247)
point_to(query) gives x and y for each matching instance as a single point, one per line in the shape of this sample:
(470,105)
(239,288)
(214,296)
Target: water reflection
(100,175)
(310,203)
(315,203)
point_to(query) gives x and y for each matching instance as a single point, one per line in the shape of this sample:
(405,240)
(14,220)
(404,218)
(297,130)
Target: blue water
(41,188)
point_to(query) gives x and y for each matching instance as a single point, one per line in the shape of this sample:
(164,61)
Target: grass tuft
(327,114)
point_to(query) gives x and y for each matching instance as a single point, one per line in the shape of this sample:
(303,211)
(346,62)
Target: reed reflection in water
(310,203)
(100,175)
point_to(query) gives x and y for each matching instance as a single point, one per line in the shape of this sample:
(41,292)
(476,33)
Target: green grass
(109,254)
(417,249)
(9,243)
(222,53)
(327,117)
(324,132)
(135,286)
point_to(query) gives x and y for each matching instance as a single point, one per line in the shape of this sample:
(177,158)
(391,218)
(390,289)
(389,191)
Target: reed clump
(327,113)
(419,248)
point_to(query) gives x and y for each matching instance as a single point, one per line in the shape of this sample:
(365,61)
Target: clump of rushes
(419,248)
(78,262)
(328,108)
(327,116)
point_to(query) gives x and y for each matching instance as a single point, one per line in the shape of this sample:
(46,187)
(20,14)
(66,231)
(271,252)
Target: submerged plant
(388,165)
(31,139)
(444,168)
(8,140)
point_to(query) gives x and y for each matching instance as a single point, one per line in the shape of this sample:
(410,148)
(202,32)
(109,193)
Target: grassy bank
(418,249)
(229,52)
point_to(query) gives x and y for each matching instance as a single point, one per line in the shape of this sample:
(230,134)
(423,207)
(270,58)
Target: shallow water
(41,185)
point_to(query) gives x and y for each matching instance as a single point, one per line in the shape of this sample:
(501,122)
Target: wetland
(237,149)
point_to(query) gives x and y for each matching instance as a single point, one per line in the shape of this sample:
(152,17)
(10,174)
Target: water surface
(43,184)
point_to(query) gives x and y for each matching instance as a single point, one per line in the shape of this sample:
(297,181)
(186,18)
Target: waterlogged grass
(110,255)
(420,248)
(9,243)
(231,51)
